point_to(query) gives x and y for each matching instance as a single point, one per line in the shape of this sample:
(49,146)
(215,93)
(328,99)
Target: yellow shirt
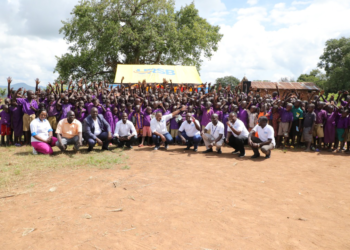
(69,130)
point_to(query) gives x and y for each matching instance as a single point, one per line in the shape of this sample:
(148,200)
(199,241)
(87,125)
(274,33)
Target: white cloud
(283,41)
(252,2)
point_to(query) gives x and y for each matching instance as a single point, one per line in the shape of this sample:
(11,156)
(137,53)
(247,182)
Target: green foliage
(3,92)
(105,33)
(228,81)
(336,62)
(315,76)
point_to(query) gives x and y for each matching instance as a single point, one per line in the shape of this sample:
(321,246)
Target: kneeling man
(122,135)
(213,134)
(189,133)
(237,134)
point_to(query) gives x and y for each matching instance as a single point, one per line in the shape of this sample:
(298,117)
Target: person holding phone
(189,133)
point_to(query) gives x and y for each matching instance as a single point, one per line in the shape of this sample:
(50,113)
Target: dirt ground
(185,200)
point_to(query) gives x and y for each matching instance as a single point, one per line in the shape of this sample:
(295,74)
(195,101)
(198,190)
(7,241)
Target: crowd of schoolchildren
(312,120)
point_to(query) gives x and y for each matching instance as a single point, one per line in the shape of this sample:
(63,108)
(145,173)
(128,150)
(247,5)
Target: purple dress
(65,109)
(224,121)
(109,117)
(329,128)
(206,115)
(81,115)
(243,116)
(17,120)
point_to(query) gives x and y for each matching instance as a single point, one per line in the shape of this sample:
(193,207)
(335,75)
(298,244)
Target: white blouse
(40,128)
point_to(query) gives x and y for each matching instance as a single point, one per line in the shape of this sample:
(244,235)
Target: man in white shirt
(237,134)
(159,128)
(213,134)
(189,133)
(266,141)
(122,135)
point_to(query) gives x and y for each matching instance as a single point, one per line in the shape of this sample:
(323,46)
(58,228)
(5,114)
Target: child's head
(122,107)
(330,108)
(244,104)
(166,105)
(149,110)
(115,111)
(344,113)
(218,105)
(320,105)
(108,102)
(7,101)
(81,104)
(190,109)
(137,108)
(289,107)
(311,108)
(207,105)
(253,109)
(41,105)
(96,102)
(5,108)
(65,100)
(129,106)
(225,110)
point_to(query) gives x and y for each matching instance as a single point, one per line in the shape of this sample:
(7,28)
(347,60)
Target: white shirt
(190,128)
(240,127)
(217,130)
(160,127)
(265,133)
(97,127)
(40,128)
(123,130)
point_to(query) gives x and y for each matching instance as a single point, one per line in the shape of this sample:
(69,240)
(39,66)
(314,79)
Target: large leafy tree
(336,62)
(228,81)
(315,76)
(104,33)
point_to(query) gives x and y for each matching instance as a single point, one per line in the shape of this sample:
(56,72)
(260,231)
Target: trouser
(156,139)
(195,140)
(208,139)
(238,143)
(43,147)
(71,141)
(265,149)
(126,142)
(103,137)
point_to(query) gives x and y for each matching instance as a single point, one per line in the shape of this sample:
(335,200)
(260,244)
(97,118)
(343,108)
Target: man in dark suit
(97,130)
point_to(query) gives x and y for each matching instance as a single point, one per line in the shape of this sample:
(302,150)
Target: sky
(263,39)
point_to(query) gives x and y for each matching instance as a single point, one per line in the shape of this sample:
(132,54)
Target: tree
(104,33)
(228,81)
(336,62)
(3,91)
(315,76)
(286,79)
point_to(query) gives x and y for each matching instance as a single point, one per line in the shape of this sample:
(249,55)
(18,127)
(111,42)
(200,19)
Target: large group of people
(146,114)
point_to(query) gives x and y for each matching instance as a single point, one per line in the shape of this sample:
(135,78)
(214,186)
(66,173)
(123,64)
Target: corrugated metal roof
(286,85)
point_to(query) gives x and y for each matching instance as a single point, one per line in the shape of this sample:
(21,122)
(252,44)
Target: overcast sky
(263,39)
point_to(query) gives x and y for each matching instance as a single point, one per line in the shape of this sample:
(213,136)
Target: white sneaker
(35,152)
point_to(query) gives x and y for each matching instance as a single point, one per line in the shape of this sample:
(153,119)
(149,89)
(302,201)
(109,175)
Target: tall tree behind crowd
(105,33)
(336,62)
(228,81)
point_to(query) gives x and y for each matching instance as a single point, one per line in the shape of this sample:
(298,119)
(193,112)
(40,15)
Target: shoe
(141,146)
(255,156)
(268,156)
(129,147)
(35,152)
(236,152)
(241,155)
(166,147)
(219,151)
(195,150)
(210,150)
(188,148)
(156,148)
(106,149)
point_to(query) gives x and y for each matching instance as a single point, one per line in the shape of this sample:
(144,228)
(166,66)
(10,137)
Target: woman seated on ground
(42,140)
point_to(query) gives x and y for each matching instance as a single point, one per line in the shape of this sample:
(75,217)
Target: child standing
(5,125)
(252,117)
(146,130)
(308,126)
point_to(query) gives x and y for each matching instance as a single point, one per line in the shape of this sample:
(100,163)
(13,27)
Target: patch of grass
(17,163)
(125,167)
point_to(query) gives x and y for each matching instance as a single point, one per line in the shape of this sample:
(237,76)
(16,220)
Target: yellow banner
(156,74)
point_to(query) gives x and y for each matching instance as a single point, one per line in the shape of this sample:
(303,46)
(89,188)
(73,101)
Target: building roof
(286,85)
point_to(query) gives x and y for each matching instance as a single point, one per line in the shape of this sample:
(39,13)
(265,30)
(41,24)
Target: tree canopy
(228,81)
(315,76)
(104,33)
(336,62)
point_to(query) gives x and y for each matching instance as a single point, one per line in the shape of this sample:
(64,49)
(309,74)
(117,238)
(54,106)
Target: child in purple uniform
(342,128)
(66,107)
(285,124)
(16,122)
(5,125)
(146,130)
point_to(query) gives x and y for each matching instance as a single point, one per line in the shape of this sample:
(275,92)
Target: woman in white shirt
(42,139)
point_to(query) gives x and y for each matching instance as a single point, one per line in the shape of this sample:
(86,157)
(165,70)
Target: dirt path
(180,200)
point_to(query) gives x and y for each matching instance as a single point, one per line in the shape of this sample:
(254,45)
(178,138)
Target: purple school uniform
(99,109)
(342,122)
(168,112)
(17,120)
(329,128)
(157,110)
(5,118)
(81,114)
(65,109)
(108,115)
(173,123)
(286,116)
(146,120)
(321,115)
(343,103)
(243,116)
(224,121)
(206,115)
(219,113)
(88,107)
(130,115)
(51,109)
(26,105)
(115,120)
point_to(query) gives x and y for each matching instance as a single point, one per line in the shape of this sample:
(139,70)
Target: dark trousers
(238,143)
(103,137)
(195,140)
(156,139)
(116,141)
(265,149)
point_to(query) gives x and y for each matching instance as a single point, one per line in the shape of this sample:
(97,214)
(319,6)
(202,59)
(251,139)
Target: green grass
(17,163)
